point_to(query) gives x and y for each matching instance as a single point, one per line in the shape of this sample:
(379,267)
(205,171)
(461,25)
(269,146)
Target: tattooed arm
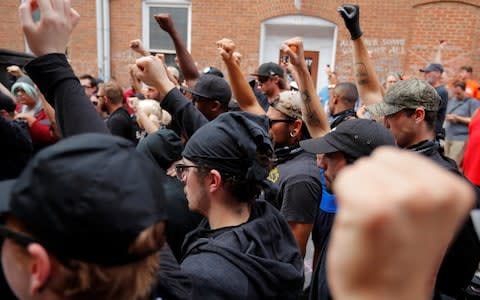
(368,84)
(312,111)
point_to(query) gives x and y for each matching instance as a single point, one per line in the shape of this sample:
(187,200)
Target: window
(154,38)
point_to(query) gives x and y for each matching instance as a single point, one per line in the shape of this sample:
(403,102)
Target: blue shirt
(328,202)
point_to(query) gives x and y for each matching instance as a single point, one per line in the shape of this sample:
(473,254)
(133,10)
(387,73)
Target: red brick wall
(457,23)
(402,34)
(82,48)
(11,35)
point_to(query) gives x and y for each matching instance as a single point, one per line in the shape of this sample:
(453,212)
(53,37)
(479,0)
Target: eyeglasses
(271,122)
(181,169)
(18,238)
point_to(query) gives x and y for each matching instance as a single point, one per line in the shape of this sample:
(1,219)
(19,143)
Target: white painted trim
(319,35)
(106,39)
(261,57)
(99,19)
(299,20)
(335,37)
(169,3)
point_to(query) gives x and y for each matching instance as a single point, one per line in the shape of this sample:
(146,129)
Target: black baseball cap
(213,71)
(87,198)
(355,138)
(212,87)
(269,69)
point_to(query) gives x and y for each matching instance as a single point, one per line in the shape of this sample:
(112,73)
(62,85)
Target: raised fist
(165,22)
(351,16)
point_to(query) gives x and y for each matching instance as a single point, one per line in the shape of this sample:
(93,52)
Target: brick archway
(427,2)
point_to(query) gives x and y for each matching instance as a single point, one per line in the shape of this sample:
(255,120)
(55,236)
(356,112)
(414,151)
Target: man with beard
(110,97)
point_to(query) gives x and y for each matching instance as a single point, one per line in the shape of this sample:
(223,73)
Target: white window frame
(146,23)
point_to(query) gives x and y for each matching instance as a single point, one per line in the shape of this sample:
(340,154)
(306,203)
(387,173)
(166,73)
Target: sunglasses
(263,79)
(181,169)
(19,238)
(196,98)
(272,122)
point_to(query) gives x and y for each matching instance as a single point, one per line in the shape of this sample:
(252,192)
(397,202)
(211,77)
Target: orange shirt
(472,89)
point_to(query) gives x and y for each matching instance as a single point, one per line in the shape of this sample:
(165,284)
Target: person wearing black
(349,141)
(74,112)
(17,146)
(70,232)
(341,108)
(119,122)
(402,204)
(244,249)
(342,103)
(16,151)
(164,148)
(409,109)
(211,95)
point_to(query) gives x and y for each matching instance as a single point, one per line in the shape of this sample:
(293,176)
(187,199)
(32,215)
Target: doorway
(319,36)
(311,58)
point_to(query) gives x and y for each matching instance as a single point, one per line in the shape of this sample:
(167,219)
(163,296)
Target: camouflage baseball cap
(288,103)
(406,94)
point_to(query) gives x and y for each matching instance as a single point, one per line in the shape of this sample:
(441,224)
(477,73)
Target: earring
(292,134)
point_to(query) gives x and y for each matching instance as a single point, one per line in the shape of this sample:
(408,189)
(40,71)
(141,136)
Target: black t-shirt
(120,123)
(299,185)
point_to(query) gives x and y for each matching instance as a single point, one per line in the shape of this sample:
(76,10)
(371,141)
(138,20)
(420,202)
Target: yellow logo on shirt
(274,175)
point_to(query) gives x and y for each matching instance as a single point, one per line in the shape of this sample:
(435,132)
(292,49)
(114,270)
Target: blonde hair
(153,111)
(78,280)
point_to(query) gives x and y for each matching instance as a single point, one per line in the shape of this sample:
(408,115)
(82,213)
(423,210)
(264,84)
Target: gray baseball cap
(405,94)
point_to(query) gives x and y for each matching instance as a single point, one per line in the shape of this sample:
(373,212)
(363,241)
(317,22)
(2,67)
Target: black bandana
(342,116)
(230,144)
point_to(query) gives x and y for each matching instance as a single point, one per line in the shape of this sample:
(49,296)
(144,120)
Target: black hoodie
(255,260)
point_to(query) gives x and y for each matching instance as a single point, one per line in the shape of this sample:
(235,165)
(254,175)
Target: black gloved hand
(351,15)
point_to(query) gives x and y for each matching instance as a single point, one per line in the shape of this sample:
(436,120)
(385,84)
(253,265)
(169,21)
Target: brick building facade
(402,35)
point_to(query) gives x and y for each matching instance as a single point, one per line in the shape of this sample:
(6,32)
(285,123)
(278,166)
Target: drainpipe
(99,18)
(106,39)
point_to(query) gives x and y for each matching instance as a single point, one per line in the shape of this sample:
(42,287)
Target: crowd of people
(187,185)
